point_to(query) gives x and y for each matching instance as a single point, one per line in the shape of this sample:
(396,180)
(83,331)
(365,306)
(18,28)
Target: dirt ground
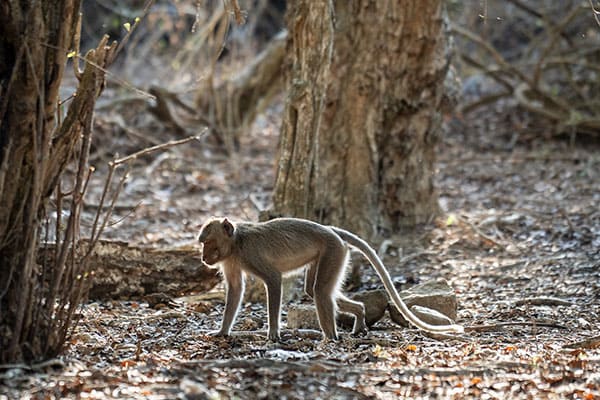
(519,240)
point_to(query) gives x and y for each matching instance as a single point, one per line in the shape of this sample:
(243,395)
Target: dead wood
(543,301)
(123,271)
(232,105)
(549,75)
(501,325)
(590,343)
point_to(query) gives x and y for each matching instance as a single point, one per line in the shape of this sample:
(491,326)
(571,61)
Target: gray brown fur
(270,249)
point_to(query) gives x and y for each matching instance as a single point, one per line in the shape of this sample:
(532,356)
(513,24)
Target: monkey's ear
(228,227)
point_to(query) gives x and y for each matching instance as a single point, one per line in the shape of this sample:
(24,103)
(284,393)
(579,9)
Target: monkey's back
(288,243)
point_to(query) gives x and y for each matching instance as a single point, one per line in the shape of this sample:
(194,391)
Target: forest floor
(519,240)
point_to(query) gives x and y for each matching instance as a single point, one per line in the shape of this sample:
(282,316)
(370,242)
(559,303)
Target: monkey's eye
(208,245)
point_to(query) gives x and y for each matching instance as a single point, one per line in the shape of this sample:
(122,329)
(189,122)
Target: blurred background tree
(537,58)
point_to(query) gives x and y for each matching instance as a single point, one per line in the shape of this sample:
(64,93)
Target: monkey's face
(210,252)
(216,238)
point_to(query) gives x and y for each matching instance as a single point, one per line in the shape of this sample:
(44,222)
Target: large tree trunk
(311,31)
(367,163)
(35,146)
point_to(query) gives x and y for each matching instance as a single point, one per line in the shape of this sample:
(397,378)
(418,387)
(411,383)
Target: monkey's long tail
(383,273)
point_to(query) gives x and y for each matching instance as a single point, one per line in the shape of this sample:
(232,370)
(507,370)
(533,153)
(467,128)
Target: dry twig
(590,343)
(543,301)
(501,325)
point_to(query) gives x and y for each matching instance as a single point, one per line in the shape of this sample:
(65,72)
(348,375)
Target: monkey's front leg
(234,280)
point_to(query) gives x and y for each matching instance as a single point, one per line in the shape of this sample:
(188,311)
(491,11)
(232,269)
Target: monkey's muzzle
(210,253)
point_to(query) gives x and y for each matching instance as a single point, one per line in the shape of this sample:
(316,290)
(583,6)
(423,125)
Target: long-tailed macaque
(270,249)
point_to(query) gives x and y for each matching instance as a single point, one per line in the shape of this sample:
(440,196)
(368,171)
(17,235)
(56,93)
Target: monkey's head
(216,236)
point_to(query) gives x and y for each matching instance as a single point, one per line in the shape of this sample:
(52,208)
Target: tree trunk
(367,162)
(35,147)
(310,42)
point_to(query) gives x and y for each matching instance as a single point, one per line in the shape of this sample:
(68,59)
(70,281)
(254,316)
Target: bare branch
(156,148)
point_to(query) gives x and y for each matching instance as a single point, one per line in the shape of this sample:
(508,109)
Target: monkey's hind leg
(329,271)
(273,284)
(355,308)
(309,280)
(345,305)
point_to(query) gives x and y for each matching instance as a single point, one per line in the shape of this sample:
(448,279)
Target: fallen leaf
(476,380)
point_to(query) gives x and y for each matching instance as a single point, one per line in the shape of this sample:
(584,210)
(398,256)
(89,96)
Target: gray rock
(434,302)
(435,295)
(375,301)
(430,316)
(302,316)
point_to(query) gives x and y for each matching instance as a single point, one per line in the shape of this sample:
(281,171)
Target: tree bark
(35,147)
(366,162)
(310,43)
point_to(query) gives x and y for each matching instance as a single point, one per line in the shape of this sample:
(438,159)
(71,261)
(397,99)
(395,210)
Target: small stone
(302,316)
(305,316)
(434,302)
(430,316)
(375,301)
(435,295)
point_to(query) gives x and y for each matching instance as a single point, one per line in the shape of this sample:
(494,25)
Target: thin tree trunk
(368,164)
(37,302)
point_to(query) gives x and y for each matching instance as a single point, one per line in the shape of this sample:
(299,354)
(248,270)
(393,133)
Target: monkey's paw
(360,329)
(330,339)
(360,332)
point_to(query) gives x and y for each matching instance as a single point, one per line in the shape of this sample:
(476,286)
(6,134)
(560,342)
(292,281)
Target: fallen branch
(590,343)
(500,325)
(53,362)
(415,255)
(159,316)
(446,336)
(543,301)
(480,233)
(123,271)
